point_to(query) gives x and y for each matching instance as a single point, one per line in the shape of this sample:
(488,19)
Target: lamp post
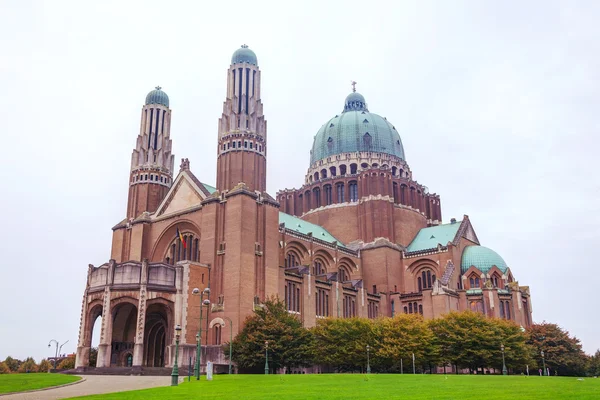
(198,292)
(230,340)
(504,370)
(368,360)
(266,357)
(56,354)
(175,373)
(544,373)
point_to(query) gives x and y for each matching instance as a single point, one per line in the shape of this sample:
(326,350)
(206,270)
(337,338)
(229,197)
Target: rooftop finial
(158,88)
(244,46)
(353,83)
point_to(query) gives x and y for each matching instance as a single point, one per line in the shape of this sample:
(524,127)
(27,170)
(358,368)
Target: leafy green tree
(29,365)
(44,366)
(341,343)
(594,364)
(4,368)
(12,363)
(93,356)
(401,337)
(289,342)
(563,354)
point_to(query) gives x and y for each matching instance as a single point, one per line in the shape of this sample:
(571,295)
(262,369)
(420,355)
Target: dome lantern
(244,55)
(157,96)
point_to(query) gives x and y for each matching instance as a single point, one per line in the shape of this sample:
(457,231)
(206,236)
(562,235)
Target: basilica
(360,237)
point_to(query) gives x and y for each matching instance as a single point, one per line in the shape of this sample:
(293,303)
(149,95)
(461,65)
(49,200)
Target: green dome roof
(482,258)
(356,129)
(244,55)
(157,96)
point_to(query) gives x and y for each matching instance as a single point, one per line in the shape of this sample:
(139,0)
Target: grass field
(21,382)
(350,386)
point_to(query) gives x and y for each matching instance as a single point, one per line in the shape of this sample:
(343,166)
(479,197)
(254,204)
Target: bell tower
(242,140)
(151,161)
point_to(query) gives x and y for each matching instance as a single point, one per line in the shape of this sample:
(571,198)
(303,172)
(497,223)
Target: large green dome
(157,96)
(244,55)
(482,258)
(356,130)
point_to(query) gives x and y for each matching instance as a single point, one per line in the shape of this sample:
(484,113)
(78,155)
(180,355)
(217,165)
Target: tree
(594,364)
(4,368)
(401,337)
(12,363)
(44,366)
(288,342)
(29,365)
(341,343)
(93,356)
(67,363)
(471,340)
(562,352)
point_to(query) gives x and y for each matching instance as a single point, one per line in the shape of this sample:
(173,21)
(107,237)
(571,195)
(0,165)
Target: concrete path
(94,384)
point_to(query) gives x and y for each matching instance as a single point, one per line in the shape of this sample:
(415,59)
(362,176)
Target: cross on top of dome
(157,88)
(353,83)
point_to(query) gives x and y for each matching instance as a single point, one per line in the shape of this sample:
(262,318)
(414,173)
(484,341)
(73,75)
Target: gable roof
(429,238)
(304,227)
(186,192)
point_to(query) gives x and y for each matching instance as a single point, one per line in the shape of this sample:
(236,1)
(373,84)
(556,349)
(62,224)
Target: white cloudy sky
(495,101)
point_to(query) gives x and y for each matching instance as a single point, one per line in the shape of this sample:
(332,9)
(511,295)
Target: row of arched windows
(413,308)
(292,296)
(315,199)
(342,169)
(246,145)
(318,267)
(349,306)
(322,302)
(505,309)
(150,178)
(188,249)
(372,309)
(426,280)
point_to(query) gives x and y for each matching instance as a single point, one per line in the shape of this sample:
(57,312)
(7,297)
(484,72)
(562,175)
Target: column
(138,347)
(104,348)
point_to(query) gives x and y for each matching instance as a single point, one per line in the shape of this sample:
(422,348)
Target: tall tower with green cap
(242,141)
(151,161)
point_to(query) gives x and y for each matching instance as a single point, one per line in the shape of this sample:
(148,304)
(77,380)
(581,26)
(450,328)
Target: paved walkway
(95,384)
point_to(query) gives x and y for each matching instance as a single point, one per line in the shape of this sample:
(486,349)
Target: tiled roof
(211,189)
(429,238)
(356,130)
(304,227)
(482,258)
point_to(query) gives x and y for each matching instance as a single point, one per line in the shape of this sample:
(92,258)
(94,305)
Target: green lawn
(21,382)
(356,386)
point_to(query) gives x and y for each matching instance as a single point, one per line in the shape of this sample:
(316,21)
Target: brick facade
(235,244)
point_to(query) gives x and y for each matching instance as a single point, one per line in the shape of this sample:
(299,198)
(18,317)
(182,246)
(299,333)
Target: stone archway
(123,332)
(156,335)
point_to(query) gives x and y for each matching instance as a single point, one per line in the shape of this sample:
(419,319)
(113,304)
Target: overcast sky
(496,103)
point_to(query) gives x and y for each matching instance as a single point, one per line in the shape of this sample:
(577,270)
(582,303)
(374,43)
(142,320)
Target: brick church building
(360,237)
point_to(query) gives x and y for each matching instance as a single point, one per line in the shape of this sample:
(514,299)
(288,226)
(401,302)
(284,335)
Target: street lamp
(368,360)
(175,373)
(198,292)
(266,357)
(504,371)
(56,355)
(230,340)
(544,373)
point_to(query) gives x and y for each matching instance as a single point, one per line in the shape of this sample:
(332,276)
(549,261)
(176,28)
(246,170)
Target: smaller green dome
(157,96)
(355,102)
(244,55)
(482,258)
